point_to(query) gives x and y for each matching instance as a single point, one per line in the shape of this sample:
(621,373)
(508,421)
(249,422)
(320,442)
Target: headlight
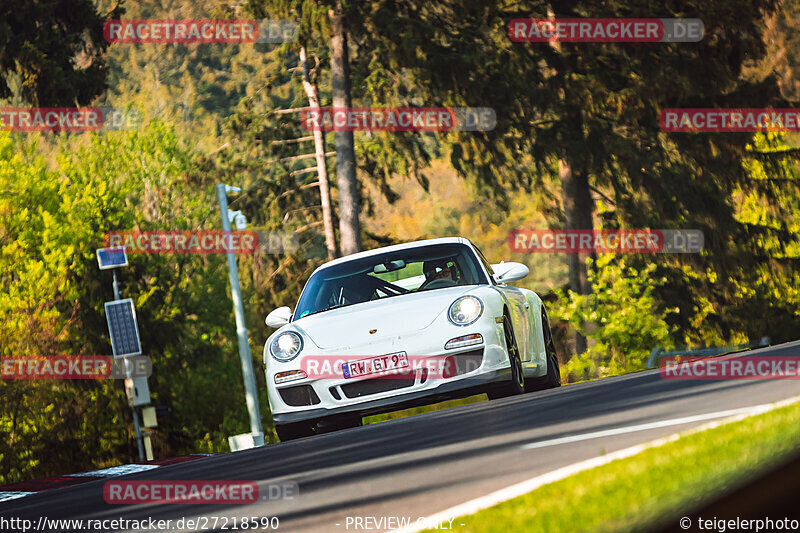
(465,310)
(286,346)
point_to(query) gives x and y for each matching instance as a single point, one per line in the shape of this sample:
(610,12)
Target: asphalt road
(420,465)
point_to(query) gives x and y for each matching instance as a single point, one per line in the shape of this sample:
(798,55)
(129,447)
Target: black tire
(294,430)
(517,383)
(553,377)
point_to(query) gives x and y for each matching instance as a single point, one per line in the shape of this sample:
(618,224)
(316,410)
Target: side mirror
(508,272)
(279,317)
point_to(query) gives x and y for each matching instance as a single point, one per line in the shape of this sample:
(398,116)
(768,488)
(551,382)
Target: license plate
(374,365)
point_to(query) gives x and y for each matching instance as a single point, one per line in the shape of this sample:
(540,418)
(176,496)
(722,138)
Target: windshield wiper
(328,308)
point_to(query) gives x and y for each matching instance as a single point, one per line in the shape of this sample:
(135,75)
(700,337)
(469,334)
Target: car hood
(351,326)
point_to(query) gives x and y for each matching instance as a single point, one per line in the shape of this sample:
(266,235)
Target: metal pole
(129,376)
(251,393)
(135,420)
(116,285)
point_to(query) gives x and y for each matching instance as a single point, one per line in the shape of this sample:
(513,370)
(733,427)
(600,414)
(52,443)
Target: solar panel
(111,257)
(122,327)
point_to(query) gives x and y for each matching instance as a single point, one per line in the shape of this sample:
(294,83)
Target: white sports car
(400,326)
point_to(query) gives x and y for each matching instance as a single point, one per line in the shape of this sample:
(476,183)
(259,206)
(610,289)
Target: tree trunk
(578,209)
(322,169)
(349,225)
(576,197)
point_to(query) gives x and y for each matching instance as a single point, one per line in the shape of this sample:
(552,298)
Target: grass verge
(636,493)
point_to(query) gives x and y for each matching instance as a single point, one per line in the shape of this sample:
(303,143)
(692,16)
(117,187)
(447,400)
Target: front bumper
(367,395)
(454,389)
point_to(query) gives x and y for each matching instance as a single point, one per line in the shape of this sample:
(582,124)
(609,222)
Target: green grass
(394,415)
(635,493)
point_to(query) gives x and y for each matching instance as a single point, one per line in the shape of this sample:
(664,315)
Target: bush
(621,319)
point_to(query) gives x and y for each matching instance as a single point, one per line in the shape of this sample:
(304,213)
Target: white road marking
(640,427)
(524,487)
(105,472)
(13,495)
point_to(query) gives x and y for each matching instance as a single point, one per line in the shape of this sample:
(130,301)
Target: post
(135,420)
(251,394)
(116,285)
(128,375)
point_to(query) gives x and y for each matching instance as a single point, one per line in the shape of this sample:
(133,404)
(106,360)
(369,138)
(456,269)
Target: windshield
(390,274)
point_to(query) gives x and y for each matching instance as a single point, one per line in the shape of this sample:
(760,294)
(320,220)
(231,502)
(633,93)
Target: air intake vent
(299,396)
(375,386)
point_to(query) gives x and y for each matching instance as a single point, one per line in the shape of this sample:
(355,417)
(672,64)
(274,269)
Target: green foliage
(52,296)
(48,225)
(622,317)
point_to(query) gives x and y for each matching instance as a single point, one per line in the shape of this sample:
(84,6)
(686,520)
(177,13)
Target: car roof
(396,247)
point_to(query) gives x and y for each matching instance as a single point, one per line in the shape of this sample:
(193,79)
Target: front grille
(299,395)
(374,386)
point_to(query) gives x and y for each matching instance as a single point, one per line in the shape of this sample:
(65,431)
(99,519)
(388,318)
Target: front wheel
(553,377)
(517,383)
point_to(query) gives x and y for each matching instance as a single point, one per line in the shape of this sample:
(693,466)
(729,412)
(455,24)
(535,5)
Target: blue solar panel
(111,257)
(123,328)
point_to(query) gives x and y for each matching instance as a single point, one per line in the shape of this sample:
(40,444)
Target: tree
(51,300)
(312,91)
(349,225)
(323,24)
(53,54)
(594,108)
